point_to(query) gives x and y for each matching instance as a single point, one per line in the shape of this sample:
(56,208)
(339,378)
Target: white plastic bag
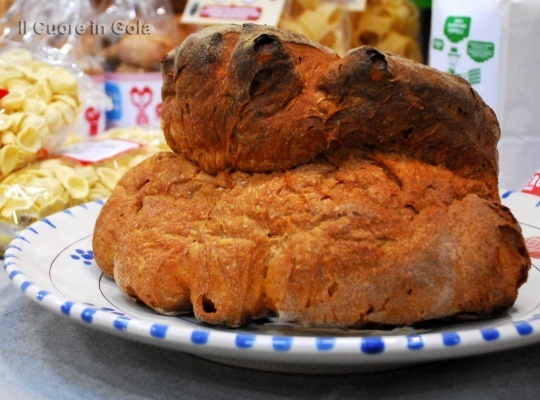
(495,44)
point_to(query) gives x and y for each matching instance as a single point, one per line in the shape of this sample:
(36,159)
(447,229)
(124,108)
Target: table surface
(46,356)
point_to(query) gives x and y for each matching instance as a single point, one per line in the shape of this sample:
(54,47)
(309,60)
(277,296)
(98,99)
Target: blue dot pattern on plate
(88,314)
(41,294)
(199,337)
(281,343)
(121,323)
(523,328)
(325,344)
(25,285)
(13,274)
(451,339)
(372,345)
(490,334)
(158,331)
(66,308)
(415,342)
(86,255)
(244,341)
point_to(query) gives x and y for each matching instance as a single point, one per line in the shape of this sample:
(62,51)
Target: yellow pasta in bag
(390,25)
(9,158)
(81,172)
(5,122)
(28,90)
(29,140)
(322,21)
(13,100)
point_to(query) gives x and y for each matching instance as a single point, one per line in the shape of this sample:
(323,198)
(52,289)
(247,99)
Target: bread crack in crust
(331,192)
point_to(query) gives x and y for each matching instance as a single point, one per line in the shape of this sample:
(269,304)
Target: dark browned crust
(259,99)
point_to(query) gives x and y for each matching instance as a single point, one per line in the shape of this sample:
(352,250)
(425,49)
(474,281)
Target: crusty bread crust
(360,239)
(329,192)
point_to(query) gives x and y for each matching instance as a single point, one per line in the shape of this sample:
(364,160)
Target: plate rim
(205,341)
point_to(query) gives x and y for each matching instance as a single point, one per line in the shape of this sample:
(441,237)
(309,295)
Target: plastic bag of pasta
(39,104)
(59,32)
(82,171)
(391,25)
(323,21)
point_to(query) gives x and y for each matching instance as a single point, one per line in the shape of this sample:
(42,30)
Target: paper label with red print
(533,186)
(207,12)
(136,98)
(93,151)
(92,120)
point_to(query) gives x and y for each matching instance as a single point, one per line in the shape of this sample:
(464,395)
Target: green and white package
(495,45)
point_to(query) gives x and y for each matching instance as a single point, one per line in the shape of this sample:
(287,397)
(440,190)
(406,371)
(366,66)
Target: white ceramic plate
(52,263)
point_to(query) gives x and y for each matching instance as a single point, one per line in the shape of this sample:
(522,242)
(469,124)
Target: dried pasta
(40,107)
(321,21)
(54,184)
(390,25)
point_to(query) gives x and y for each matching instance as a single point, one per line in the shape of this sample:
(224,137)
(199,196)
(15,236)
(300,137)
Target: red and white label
(232,12)
(533,186)
(92,120)
(207,12)
(136,99)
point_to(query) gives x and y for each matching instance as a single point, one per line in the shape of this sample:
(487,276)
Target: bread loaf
(326,191)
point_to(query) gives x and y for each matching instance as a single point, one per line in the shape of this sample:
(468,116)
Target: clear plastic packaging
(59,32)
(391,25)
(83,171)
(39,106)
(325,22)
(135,34)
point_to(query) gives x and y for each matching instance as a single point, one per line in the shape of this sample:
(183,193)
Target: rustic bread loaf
(328,192)
(259,99)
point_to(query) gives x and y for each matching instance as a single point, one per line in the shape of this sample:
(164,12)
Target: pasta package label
(206,12)
(533,186)
(136,99)
(98,150)
(468,43)
(92,121)
(494,45)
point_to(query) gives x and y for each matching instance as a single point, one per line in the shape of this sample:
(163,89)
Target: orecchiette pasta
(56,183)
(29,140)
(41,104)
(9,158)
